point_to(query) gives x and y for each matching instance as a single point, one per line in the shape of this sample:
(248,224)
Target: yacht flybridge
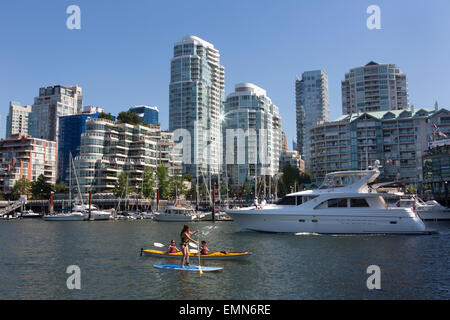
(344,204)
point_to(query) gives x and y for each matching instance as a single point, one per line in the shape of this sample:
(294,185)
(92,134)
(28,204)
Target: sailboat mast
(70,183)
(367,150)
(226,177)
(78,185)
(256,183)
(196,161)
(196,191)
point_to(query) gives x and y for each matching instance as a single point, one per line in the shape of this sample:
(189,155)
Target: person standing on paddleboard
(185,238)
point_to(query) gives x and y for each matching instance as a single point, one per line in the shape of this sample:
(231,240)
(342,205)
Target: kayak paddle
(159,245)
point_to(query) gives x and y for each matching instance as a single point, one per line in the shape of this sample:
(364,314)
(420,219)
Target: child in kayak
(172,247)
(204,249)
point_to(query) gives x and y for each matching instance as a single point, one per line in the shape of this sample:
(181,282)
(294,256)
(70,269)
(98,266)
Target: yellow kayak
(211,256)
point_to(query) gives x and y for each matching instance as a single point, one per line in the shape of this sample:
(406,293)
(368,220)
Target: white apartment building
(397,138)
(374,87)
(197,92)
(53,102)
(17,119)
(109,147)
(252,136)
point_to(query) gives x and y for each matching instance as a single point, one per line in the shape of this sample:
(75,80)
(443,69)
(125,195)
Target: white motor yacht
(73,216)
(344,204)
(178,213)
(433,210)
(125,215)
(30,214)
(430,210)
(144,215)
(96,214)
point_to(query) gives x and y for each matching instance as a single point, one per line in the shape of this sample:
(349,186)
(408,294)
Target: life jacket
(204,251)
(172,249)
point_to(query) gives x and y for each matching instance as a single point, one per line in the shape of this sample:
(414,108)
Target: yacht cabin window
(294,200)
(287,201)
(343,203)
(341,180)
(358,203)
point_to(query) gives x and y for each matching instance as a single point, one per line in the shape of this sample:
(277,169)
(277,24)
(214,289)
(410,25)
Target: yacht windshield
(341,180)
(294,200)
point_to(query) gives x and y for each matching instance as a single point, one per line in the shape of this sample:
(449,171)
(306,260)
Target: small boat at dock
(179,213)
(27,214)
(74,216)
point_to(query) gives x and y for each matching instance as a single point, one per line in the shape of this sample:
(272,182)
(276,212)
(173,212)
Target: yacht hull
(98,216)
(337,222)
(433,215)
(31,216)
(174,218)
(62,217)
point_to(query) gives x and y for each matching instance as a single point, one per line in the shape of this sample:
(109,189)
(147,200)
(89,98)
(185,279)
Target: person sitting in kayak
(185,238)
(172,247)
(204,249)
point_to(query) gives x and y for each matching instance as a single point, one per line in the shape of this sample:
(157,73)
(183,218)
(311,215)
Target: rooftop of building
(249,87)
(389,114)
(24,137)
(144,106)
(193,39)
(373,64)
(61,86)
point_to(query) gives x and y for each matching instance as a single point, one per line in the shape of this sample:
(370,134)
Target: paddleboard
(186,268)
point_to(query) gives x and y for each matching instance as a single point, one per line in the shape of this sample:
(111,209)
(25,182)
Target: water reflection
(35,254)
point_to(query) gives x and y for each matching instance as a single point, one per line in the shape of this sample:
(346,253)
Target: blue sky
(121,56)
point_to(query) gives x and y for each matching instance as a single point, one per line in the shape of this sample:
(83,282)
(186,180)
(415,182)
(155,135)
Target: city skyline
(130,63)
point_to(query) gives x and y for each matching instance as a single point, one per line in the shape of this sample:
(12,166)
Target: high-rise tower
(374,87)
(197,92)
(53,102)
(252,134)
(312,106)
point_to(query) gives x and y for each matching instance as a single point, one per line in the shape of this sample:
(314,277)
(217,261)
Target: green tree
(163,181)
(40,189)
(244,191)
(304,178)
(289,179)
(60,187)
(21,187)
(410,189)
(129,117)
(121,185)
(106,116)
(176,186)
(192,192)
(149,183)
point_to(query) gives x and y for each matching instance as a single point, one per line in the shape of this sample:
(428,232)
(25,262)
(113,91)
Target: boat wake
(207,230)
(306,234)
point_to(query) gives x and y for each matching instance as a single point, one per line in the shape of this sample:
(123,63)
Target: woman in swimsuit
(185,238)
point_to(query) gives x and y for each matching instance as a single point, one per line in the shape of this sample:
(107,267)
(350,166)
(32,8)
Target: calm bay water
(34,255)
